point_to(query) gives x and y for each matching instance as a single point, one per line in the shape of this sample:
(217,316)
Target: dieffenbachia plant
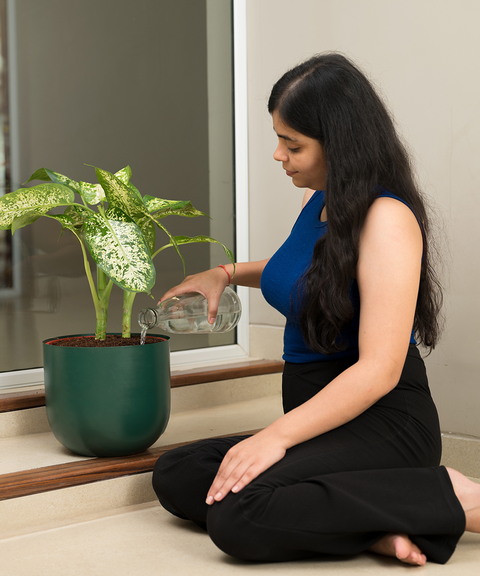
(114,223)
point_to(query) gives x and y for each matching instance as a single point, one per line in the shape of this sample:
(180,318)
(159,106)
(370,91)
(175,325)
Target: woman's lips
(290,173)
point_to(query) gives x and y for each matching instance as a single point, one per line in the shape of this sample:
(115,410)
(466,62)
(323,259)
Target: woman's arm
(211,283)
(388,275)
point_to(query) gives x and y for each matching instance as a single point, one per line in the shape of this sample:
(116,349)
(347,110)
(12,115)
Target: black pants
(338,493)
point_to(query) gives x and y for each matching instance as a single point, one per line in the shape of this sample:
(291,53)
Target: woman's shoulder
(389,203)
(306,197)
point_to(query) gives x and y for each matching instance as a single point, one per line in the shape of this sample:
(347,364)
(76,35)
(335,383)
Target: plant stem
(100,309)
(128,298)
(104,288)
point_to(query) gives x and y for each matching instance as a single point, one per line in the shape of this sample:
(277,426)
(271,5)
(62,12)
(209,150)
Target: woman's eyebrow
(286,137)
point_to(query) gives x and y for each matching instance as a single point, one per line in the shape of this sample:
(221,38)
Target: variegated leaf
(119,249)
(77,215)
(31,203)
(164,208)
(152,203)
(124,174)
(114,213)
(134,190)
(47,174)
(92,193)
(67,223)
(65,180)
(120,195)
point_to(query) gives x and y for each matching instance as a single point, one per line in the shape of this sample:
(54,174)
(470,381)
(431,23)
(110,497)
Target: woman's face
(302,157)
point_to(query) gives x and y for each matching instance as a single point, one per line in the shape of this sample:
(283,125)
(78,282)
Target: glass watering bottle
(188,314)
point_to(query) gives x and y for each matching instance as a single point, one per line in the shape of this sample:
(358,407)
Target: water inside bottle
(199,324)
(194,325)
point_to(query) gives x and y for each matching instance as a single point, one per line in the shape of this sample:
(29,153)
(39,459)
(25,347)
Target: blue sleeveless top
(282,273)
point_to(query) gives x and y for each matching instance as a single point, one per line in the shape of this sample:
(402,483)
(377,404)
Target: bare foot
(468,494)
(399,546)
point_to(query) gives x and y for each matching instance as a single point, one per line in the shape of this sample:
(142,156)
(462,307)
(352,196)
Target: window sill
(10,401)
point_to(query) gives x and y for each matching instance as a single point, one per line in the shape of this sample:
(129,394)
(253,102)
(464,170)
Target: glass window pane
(111,83)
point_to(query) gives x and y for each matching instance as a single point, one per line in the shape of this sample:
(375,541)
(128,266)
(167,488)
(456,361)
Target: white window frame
(217,354)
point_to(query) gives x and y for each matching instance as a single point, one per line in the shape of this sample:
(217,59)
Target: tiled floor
(145,540)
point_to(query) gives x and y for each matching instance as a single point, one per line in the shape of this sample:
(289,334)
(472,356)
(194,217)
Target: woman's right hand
(210,283)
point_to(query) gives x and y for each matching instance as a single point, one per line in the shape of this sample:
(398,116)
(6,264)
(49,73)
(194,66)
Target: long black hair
(331,100)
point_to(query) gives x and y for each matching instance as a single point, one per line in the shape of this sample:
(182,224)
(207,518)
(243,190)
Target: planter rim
(49,341)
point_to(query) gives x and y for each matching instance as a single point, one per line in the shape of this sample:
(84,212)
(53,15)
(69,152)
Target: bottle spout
(147,318)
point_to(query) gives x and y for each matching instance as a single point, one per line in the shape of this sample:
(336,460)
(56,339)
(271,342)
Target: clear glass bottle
(188,314)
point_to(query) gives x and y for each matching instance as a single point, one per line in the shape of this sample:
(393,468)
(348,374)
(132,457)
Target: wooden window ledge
(33,399)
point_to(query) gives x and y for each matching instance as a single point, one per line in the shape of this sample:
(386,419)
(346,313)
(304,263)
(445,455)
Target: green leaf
(27,204)
(120,195)
(40,174)
(119,249)
(149,232)
(179,240)
(163,208)
(25,220)
(172,243)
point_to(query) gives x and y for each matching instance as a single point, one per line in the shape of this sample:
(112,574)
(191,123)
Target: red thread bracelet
(229,277)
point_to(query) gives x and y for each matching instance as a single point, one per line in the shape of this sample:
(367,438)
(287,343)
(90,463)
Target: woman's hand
(244,462)
(210,283)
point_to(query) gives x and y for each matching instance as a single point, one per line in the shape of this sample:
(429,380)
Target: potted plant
(105,399)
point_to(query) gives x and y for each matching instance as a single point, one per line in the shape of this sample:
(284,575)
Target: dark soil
(112,340)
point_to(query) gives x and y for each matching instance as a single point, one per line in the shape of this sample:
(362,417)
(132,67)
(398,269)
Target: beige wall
(424,57)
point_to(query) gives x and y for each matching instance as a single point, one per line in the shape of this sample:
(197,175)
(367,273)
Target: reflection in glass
(110,83)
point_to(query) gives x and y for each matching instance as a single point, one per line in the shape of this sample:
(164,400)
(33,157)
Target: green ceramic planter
(107,401)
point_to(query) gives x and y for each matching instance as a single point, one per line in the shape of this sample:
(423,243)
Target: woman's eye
(293,150)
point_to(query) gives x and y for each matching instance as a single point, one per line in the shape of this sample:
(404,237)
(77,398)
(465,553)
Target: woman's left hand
(243,463)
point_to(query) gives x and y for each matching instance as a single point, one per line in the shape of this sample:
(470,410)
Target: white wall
(424,57)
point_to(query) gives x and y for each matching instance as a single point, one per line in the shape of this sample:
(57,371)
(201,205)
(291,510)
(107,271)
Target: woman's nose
(280,154)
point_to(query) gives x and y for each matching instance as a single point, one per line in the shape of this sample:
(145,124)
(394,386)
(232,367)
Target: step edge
(58,476)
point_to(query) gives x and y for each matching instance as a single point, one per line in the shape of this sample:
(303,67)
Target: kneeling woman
(353,464)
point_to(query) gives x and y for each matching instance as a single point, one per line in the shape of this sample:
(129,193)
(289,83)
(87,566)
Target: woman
(353,464)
